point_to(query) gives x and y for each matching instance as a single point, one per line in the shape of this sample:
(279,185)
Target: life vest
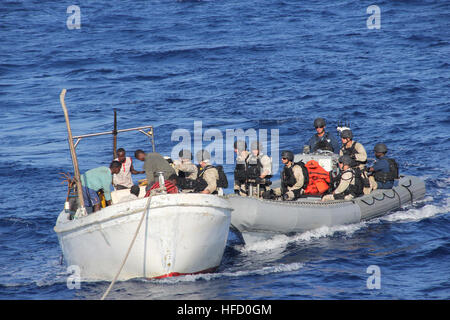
(319,179)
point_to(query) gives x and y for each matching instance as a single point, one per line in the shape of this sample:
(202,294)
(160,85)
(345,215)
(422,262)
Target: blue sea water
(272,64)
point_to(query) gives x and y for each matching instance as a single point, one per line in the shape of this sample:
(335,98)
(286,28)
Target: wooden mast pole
(115,136)
(73,153)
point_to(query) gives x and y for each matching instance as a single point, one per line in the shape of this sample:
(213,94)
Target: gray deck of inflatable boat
(252,215)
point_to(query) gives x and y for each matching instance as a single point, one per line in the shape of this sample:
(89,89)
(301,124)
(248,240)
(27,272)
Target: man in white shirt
(123,179)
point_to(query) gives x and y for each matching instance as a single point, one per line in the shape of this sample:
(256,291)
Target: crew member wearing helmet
(384,170)
(358,153)
(323,140)
(346,189)
(186,170)
(240,171)
(292,179)
(354,149)
(259,166)
(208,175)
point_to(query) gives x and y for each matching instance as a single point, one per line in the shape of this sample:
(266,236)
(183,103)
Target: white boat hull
(181,234)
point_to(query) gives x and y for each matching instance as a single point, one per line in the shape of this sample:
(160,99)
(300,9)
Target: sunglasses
(284,158)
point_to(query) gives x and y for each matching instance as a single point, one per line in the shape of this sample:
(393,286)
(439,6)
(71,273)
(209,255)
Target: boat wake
(279,242)
(279,268)
(417,214)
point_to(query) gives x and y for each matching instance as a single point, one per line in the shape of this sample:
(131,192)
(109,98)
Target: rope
(129,249)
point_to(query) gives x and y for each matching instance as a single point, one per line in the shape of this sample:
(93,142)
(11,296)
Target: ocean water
(263,64)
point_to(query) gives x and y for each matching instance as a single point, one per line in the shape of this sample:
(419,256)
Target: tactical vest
(201,184)
(387,176)
(240,172)
(323,144)
(288,178)
(355,189)
(352,153)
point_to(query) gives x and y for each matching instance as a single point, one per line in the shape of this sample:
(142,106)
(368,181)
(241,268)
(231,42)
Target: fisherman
(259,167)
(348,187)
(154,163)
(323,140)
(95,179)
(385,170)
(240,171)
(123,179)
(169,184)
(208,176)
(186,170)
(292,178)
(358,154)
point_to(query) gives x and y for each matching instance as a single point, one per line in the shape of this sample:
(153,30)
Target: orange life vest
(319,179)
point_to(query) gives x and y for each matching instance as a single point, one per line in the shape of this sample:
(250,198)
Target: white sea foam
(413,214)
(322,232)
(277,243)
(232,274)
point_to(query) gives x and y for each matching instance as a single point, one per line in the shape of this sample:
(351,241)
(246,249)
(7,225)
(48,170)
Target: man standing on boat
(123,179)
(358,154)
(95,179)
(240,171)
(259,167)
(323,140)
(154,163)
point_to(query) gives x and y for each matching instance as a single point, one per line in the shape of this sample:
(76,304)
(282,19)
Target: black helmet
(346,159)
(347,133)
(380,148)
(288,155)
(319,123)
